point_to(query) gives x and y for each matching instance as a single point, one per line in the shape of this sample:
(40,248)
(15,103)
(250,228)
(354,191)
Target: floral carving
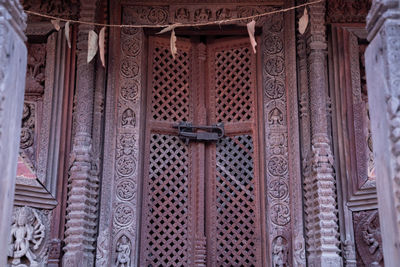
(273,44)
(131,47)
(274,65)
(157,15)
(277,165)
(126,190)
(274,88)
(280,214)
(130,91)
(278,189)
(129,68)
(123,214)
(145,14)
(126,165)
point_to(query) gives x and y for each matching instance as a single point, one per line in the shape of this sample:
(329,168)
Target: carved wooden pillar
(83,181)
(319,184)
(12,85)
(383,79)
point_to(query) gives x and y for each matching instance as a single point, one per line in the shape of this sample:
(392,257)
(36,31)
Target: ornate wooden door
(202,202)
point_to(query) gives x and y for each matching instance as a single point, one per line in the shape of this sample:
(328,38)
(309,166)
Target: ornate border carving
(281,173)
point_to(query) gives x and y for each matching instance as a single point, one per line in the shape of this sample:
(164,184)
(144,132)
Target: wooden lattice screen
(171,184)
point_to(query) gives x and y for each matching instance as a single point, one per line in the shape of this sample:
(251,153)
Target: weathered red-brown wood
(217,185)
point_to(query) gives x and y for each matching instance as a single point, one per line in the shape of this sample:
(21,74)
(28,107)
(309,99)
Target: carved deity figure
(275,117)
(27,233)
(123,252)
(279,253)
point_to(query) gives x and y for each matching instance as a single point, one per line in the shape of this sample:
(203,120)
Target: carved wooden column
(12,85)
(383,79)
(320,197)
(83,181)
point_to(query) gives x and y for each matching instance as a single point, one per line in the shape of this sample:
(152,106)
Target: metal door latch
(189,132)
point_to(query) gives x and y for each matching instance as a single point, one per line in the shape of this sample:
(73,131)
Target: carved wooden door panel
(201,201)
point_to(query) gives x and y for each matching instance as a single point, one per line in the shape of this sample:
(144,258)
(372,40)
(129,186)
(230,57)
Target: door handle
(199,133)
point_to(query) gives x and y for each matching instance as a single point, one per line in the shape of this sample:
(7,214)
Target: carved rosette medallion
(127,146)
(275,113)
(124,214)
(126,190)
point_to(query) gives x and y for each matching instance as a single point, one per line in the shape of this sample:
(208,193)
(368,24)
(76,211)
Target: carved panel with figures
(354,151)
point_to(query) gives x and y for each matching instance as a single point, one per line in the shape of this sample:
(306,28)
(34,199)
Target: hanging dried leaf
(67,34)
(168,28)
(101,46)
(56,24)
(174,50)
(303,22)
(251,29)
(92,45)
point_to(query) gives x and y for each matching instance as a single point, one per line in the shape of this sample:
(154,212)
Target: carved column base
(325,260)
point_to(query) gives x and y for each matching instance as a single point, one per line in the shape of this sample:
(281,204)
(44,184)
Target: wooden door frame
(279,64)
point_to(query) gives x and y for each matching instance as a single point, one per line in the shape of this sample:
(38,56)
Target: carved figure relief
(348,10)
(60,8)
(367,120)
(103,242)
(182,15)
(275,117)
(299,257)
(35,75)
(128,118)
(368,239)
(123,252)
(280,252)
(223,13)
(28,125)
(202,15)
(27,235)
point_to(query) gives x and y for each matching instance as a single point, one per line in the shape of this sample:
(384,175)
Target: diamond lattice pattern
(167,219)
(170,85)
(236,202)
(233,85)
